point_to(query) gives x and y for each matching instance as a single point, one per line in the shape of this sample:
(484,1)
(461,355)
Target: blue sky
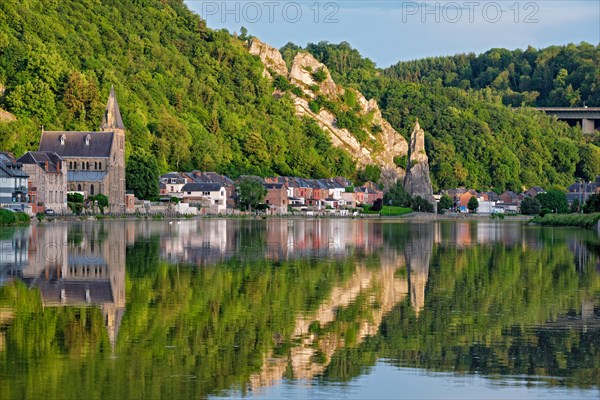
(391,31)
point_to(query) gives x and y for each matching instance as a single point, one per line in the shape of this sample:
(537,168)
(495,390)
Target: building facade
(95,161)
(13,184)
(48,174)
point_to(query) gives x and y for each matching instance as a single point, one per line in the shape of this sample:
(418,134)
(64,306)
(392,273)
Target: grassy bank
(386,211)
(9,218)
(581,220)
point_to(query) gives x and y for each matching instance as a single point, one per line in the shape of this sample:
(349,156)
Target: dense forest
(193,97)
(473,137)
(557,76)
(189,95)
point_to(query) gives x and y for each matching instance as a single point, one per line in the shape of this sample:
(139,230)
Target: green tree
(371,173)
(397,196)
(530,206)
(592,204)
(588,166)
(251,193)
(445,203)
(554,200)
(102,201)
(141,174)
(473,204)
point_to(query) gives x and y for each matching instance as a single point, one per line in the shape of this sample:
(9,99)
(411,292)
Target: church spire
(112,116)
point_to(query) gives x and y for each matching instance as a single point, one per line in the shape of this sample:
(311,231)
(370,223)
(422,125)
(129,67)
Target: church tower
(112,122)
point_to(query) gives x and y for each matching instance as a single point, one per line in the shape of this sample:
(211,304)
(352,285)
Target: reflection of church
(80,265)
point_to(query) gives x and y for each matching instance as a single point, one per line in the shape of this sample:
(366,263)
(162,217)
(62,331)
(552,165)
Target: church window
(79,187)
(92,190)
(70,164)
(95,165)
(87,166)
(100,165)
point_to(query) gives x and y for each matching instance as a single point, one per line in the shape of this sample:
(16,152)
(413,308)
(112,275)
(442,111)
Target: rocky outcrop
(270,56)
(378,149)
(417,181)
(303,68)
(5,116)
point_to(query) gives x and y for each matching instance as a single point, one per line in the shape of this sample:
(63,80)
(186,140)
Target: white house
(173,182)
(13,183)
(211,195)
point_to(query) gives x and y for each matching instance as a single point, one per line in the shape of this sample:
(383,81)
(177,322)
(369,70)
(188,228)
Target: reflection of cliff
(371,293)
(80,265)
(418,255)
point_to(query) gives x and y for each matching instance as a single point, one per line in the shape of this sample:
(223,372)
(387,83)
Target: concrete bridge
(587,117)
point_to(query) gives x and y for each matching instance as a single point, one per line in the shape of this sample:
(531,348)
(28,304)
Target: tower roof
(112,116)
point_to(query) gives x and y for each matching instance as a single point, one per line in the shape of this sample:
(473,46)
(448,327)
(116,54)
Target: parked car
(50,212)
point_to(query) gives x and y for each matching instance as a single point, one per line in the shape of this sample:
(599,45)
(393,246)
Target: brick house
(277,197)
(48,174)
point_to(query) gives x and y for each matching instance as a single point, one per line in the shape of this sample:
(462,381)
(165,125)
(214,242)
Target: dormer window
(87,140)
(62,140)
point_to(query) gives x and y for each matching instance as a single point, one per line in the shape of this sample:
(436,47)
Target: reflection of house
(95,160)
(13,255)
(13,183)
(48,174)
(80,265)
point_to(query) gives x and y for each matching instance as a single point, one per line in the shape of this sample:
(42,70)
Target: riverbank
(413,216)
(588,221)
(10,218)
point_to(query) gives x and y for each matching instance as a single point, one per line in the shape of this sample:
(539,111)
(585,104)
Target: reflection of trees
(193,331)
(482,308)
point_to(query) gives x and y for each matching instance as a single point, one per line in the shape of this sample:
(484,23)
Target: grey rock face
(417,181)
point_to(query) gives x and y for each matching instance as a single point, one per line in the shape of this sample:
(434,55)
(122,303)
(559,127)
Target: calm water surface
(298,309)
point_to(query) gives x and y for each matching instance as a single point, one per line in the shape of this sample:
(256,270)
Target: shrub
(378,205)
(8,218)
(319,75)
(314,106)
(530,206)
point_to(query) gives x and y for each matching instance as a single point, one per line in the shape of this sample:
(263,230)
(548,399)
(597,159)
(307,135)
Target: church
(95,161)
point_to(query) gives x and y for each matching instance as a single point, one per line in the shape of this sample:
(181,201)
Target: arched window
(87,165)
(100,165)
(70,164)
(92,190)
(79,187)
(95,165)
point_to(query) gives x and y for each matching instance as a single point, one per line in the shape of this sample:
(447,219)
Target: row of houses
(510,202)
(490,202)
(217,193)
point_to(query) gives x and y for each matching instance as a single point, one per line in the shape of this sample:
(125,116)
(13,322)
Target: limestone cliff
(5,116)
(378,148)
(270,56)
(417,181)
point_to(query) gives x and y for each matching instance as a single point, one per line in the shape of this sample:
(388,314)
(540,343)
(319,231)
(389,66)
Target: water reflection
(219,304)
